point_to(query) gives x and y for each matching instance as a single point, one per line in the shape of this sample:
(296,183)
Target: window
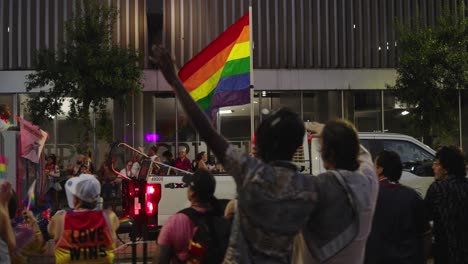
(396,116)
(321,106)
(363,109)
(366,144)
(408,151)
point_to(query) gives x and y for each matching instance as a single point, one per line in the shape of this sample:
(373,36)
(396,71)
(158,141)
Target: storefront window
(396,115)
(165,117)
(321,106)
(363,108)
(235,122)
(274,100)
(289,99)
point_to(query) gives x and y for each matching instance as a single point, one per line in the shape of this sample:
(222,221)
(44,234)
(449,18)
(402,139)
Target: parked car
(417,158)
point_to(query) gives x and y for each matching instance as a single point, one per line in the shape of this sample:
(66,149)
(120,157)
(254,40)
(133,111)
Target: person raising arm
(274,201)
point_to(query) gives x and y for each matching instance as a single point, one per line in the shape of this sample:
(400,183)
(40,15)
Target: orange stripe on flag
(245,35)
(207,70)
(229,36)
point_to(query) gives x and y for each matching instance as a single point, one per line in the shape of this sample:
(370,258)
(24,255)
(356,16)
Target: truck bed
(174,194)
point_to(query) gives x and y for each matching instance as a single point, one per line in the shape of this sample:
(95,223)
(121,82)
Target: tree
(88,68)
(432,69)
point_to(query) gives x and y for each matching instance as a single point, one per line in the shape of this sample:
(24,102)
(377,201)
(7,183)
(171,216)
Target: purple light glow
(151,137)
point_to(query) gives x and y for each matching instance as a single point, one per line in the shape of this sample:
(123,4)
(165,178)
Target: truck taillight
(149,208)
(153,196)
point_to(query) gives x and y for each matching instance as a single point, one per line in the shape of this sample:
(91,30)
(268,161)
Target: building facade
(324,59)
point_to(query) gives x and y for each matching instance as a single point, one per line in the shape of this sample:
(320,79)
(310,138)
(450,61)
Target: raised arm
(365,158)
(6,230)
(214,141)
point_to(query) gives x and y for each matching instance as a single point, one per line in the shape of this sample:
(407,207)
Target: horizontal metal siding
(299,34)
(29,25)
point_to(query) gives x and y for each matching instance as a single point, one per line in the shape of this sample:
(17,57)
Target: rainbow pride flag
(220,74)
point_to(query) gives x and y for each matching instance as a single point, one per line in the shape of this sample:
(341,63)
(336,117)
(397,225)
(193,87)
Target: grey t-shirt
(364,184)
(274,203)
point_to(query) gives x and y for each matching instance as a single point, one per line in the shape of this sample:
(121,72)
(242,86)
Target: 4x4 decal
(174,185)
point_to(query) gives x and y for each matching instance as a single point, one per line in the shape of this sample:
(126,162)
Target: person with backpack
(199,233)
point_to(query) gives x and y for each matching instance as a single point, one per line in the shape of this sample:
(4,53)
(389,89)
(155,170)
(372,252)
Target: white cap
(86,187)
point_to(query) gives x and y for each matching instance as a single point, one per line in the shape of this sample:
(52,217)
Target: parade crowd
(355,212)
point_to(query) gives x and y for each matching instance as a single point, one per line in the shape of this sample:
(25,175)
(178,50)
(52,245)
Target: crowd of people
(355,212)
(282,216)
(111,183)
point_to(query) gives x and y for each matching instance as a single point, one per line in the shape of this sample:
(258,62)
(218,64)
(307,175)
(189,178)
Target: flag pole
(252,112)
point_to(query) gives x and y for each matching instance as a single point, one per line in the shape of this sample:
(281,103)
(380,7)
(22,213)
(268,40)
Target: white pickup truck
(416,157)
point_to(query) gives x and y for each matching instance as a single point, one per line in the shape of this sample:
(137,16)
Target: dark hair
(154,148)
(340,145)
(451,158)
(390,162)
(13,205)
(53,158)
(211,160)
(87,205)
(167,154)
(79,169)
(200,156)
(203,184)
(279,136)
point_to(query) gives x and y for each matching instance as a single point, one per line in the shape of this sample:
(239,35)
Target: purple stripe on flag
(233,83)
(228,98)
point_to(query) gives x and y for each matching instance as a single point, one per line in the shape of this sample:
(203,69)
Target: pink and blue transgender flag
(219,75)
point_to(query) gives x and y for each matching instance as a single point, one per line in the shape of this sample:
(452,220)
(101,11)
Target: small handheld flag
(3,167)
(31,195)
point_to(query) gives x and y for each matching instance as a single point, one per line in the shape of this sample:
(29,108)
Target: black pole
(145,240)
(133,233)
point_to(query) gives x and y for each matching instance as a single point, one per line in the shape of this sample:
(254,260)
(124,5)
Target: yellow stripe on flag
(207,87)
(239,51)
(207,70)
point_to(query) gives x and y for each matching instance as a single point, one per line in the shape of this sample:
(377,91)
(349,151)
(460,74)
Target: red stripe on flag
(215,47)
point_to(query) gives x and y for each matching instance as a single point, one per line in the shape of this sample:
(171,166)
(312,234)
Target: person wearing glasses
(447,202)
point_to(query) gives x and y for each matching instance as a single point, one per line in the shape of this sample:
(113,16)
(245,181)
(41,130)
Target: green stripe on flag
(205,102)
(236,67)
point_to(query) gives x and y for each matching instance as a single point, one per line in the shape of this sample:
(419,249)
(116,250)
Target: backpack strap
(193,214)
(348,235)
(196,216)
(349,192)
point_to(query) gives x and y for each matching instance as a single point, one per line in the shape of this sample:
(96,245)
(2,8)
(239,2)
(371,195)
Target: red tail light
(149,208)
(153,196)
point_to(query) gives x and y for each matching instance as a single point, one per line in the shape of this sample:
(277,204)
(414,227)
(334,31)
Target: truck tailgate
(174,194)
